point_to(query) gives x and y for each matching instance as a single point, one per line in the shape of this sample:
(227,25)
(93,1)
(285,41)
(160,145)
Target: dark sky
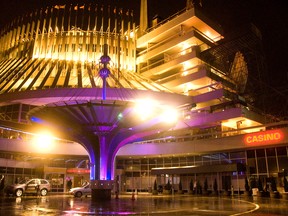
(271,17)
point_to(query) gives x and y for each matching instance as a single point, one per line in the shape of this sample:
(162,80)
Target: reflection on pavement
(143,205)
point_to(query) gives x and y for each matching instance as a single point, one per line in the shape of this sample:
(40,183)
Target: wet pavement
(144,204)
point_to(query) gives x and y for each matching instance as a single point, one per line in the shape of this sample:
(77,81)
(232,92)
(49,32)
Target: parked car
(29,186)
(84,190)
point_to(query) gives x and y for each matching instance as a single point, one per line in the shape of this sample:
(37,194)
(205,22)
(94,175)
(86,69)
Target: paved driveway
(143,205)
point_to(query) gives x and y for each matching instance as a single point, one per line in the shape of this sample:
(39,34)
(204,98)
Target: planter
(167,191)
(154,192)
(255,192)
(247,193)
(226,193)
(284,195)
(274,194)
(205,192)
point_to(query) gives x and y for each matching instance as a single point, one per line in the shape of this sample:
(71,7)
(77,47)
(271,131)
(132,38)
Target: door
(31,186)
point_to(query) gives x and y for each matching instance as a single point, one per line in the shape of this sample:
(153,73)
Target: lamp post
(104,71)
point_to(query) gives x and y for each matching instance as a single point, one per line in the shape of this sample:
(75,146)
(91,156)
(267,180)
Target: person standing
(69,184)
(2,183)
(37,187)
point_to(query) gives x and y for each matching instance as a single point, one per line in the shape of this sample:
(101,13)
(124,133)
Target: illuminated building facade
(49,67)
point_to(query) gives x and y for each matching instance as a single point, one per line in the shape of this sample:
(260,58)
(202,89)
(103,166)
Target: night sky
(271,17)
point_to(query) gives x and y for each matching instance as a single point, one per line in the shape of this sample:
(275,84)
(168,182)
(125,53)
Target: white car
(29,186)
(84,190)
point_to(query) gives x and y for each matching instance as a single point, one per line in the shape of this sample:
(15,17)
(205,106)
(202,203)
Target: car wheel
(18,192)
(44,192)
(78,194)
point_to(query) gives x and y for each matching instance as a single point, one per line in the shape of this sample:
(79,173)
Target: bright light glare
(169,115)
(144,109)
(43,141)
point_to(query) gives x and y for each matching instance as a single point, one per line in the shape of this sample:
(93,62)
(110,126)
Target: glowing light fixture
(169,115)
(43,141)
(144,108)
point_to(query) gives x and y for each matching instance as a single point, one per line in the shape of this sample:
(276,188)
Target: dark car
(29,186)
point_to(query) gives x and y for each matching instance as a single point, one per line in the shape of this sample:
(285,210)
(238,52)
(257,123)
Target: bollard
(133,196)
(116,193)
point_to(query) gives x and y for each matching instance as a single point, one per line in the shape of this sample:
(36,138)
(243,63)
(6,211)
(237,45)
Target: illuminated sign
(78,171)
(264,137)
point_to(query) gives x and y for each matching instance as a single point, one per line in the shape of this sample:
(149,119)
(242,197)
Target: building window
(250,154)
(282,162)
(281,151)
(66,47)
(270,152)
(73,47)
(260,153)
(261,162)
(94,48)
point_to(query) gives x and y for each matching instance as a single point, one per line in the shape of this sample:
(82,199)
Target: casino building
(49,66)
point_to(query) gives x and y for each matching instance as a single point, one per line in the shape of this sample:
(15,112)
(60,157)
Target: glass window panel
(251,162)
(206,160)
(136,162)
(225,162)
(144,161)
(250,154)
(236,155)
(272,165)
(198,159)
(183,164)
(152,160)
(260,153)
(136,174)
(175,161)
(283,162)
(281,150)
(29,171)
(242,161)
(19,170)
(10,170)
(120,162)
(190,160)
(120,166)
(270,152)
(261,165)
(129,161)
(215,157)
(159,161)
(224,158)
(167,160)
(183,159)
(136,167)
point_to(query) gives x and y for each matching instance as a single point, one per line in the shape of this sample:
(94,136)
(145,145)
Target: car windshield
(85,184)
(23,181)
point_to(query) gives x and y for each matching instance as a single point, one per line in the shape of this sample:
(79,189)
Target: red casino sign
(264,137)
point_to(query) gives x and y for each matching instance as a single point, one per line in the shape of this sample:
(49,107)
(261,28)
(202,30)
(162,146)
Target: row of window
(259,161)
(89,47)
